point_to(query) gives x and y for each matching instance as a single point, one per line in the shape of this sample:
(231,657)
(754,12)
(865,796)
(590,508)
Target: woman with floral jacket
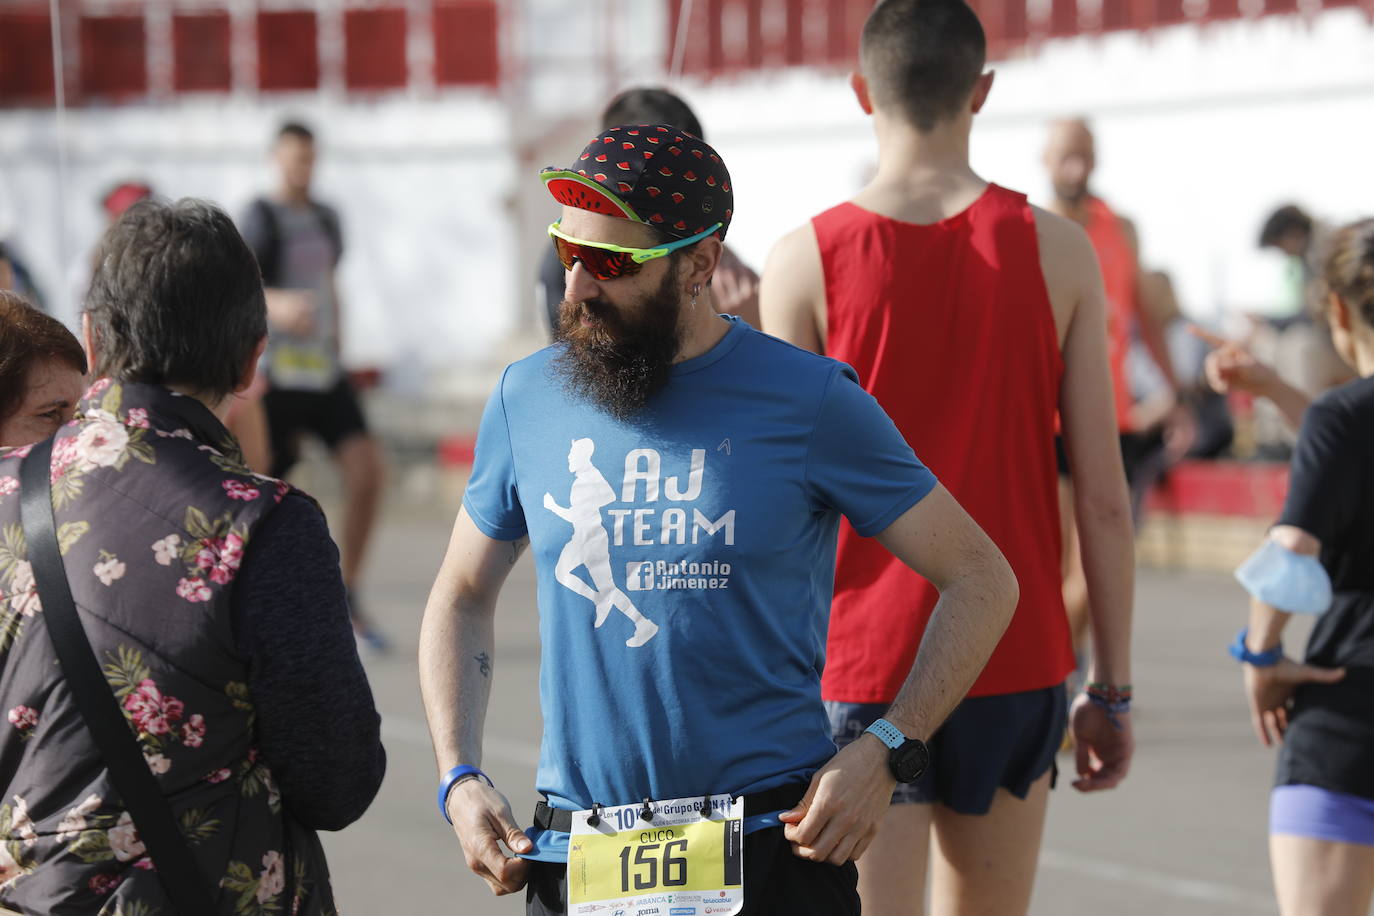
(212,599)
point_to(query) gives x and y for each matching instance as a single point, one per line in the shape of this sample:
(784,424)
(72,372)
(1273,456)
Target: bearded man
(691,472)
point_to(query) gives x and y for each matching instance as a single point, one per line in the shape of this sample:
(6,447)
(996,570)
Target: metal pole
(59,74)
(684,23)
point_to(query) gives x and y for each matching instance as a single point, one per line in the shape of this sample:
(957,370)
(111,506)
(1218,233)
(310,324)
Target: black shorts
(1137,449)
(334,415)
(776,883)
(988,743)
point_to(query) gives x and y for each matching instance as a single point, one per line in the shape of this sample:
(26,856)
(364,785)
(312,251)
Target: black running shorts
(988,743)
(333,415)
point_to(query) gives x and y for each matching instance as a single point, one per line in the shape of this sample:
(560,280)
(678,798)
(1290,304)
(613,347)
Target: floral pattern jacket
(155,507)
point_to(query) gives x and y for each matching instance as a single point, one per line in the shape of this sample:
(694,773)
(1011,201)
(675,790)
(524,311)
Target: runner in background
(974,319)
(1289,332)
(1070,158)
(734,289)
(298,242)
(690,472)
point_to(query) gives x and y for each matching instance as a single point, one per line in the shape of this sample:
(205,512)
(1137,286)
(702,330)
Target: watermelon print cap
(651,173)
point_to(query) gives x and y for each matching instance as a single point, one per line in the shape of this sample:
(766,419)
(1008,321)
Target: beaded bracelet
(1110,692)
(1113,700)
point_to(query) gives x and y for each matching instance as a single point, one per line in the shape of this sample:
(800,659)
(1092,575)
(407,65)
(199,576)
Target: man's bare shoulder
(797,248)
(1067,262)
(793,270)
(792,291)
(1065,249)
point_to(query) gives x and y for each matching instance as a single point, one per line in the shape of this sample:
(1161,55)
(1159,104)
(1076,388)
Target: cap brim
(573,190)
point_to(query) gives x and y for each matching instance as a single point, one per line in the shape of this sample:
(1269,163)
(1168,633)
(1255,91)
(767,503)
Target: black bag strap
(268,251)
(142,797)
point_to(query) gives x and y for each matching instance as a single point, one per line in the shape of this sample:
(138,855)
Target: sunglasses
(608,262)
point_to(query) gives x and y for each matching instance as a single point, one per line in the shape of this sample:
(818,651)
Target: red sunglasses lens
(600,263)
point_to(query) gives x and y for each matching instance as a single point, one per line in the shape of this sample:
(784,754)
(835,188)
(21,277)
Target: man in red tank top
(973,318)
(1070,158)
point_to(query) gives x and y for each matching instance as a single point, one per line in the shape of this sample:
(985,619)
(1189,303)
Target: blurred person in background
(1316,560)
(298,242)
(734,290)
(974,319)
(121,197)
(1152,399)
(14,275)
(1290,334)
(210,595)
(42,367)
(1070,158)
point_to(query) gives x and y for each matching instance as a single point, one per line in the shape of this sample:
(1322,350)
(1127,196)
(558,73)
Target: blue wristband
(1241,653)
(451,779)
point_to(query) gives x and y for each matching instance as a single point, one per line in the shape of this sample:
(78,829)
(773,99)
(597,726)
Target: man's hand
(1270,689)
(482,820)
(1103,750)
(1180,432)
(840,813)
(292,311)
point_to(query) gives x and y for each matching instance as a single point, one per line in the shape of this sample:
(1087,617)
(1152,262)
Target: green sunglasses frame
(638,255)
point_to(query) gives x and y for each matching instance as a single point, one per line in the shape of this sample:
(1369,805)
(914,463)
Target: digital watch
(907,758)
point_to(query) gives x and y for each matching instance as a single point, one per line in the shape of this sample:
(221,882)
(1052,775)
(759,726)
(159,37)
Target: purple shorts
(1319,814)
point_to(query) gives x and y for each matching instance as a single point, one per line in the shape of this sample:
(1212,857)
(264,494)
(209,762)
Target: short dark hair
(651,105)
(296,131)
(1282,221)
(176,298)
(922,58)
(28,337)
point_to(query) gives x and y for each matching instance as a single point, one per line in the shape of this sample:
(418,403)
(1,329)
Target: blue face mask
(1292,582)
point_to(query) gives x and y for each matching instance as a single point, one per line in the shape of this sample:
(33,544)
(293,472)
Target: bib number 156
(653,865)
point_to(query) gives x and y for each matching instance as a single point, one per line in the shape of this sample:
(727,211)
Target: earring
(696,291)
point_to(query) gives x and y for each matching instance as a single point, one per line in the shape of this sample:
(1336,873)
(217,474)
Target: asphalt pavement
(1184,835)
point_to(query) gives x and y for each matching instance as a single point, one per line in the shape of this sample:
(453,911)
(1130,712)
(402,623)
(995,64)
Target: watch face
(909,761)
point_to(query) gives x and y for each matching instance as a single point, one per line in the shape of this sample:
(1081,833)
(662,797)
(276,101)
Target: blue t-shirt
(685,561)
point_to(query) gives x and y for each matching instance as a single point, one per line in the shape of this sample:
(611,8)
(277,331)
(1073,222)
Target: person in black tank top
(1322,710)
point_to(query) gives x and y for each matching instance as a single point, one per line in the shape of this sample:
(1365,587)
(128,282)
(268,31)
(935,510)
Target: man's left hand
(1103,748)
(840,813)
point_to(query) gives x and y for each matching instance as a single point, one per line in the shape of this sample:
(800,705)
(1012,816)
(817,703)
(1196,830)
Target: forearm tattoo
(483,661)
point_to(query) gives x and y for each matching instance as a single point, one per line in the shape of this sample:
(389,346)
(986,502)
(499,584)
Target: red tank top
(949,326)
(1119,268)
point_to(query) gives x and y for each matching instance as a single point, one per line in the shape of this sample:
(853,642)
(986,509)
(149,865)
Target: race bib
(308,366)
(681,863)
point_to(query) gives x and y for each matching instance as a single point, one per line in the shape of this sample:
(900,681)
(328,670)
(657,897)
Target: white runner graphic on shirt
(590,546)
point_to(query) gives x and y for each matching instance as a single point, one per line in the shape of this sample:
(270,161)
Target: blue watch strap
(887,733)
(1241,653)
(451,779)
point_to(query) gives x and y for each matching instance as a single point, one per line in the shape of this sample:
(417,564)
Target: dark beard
(1072,195)
(619,363)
